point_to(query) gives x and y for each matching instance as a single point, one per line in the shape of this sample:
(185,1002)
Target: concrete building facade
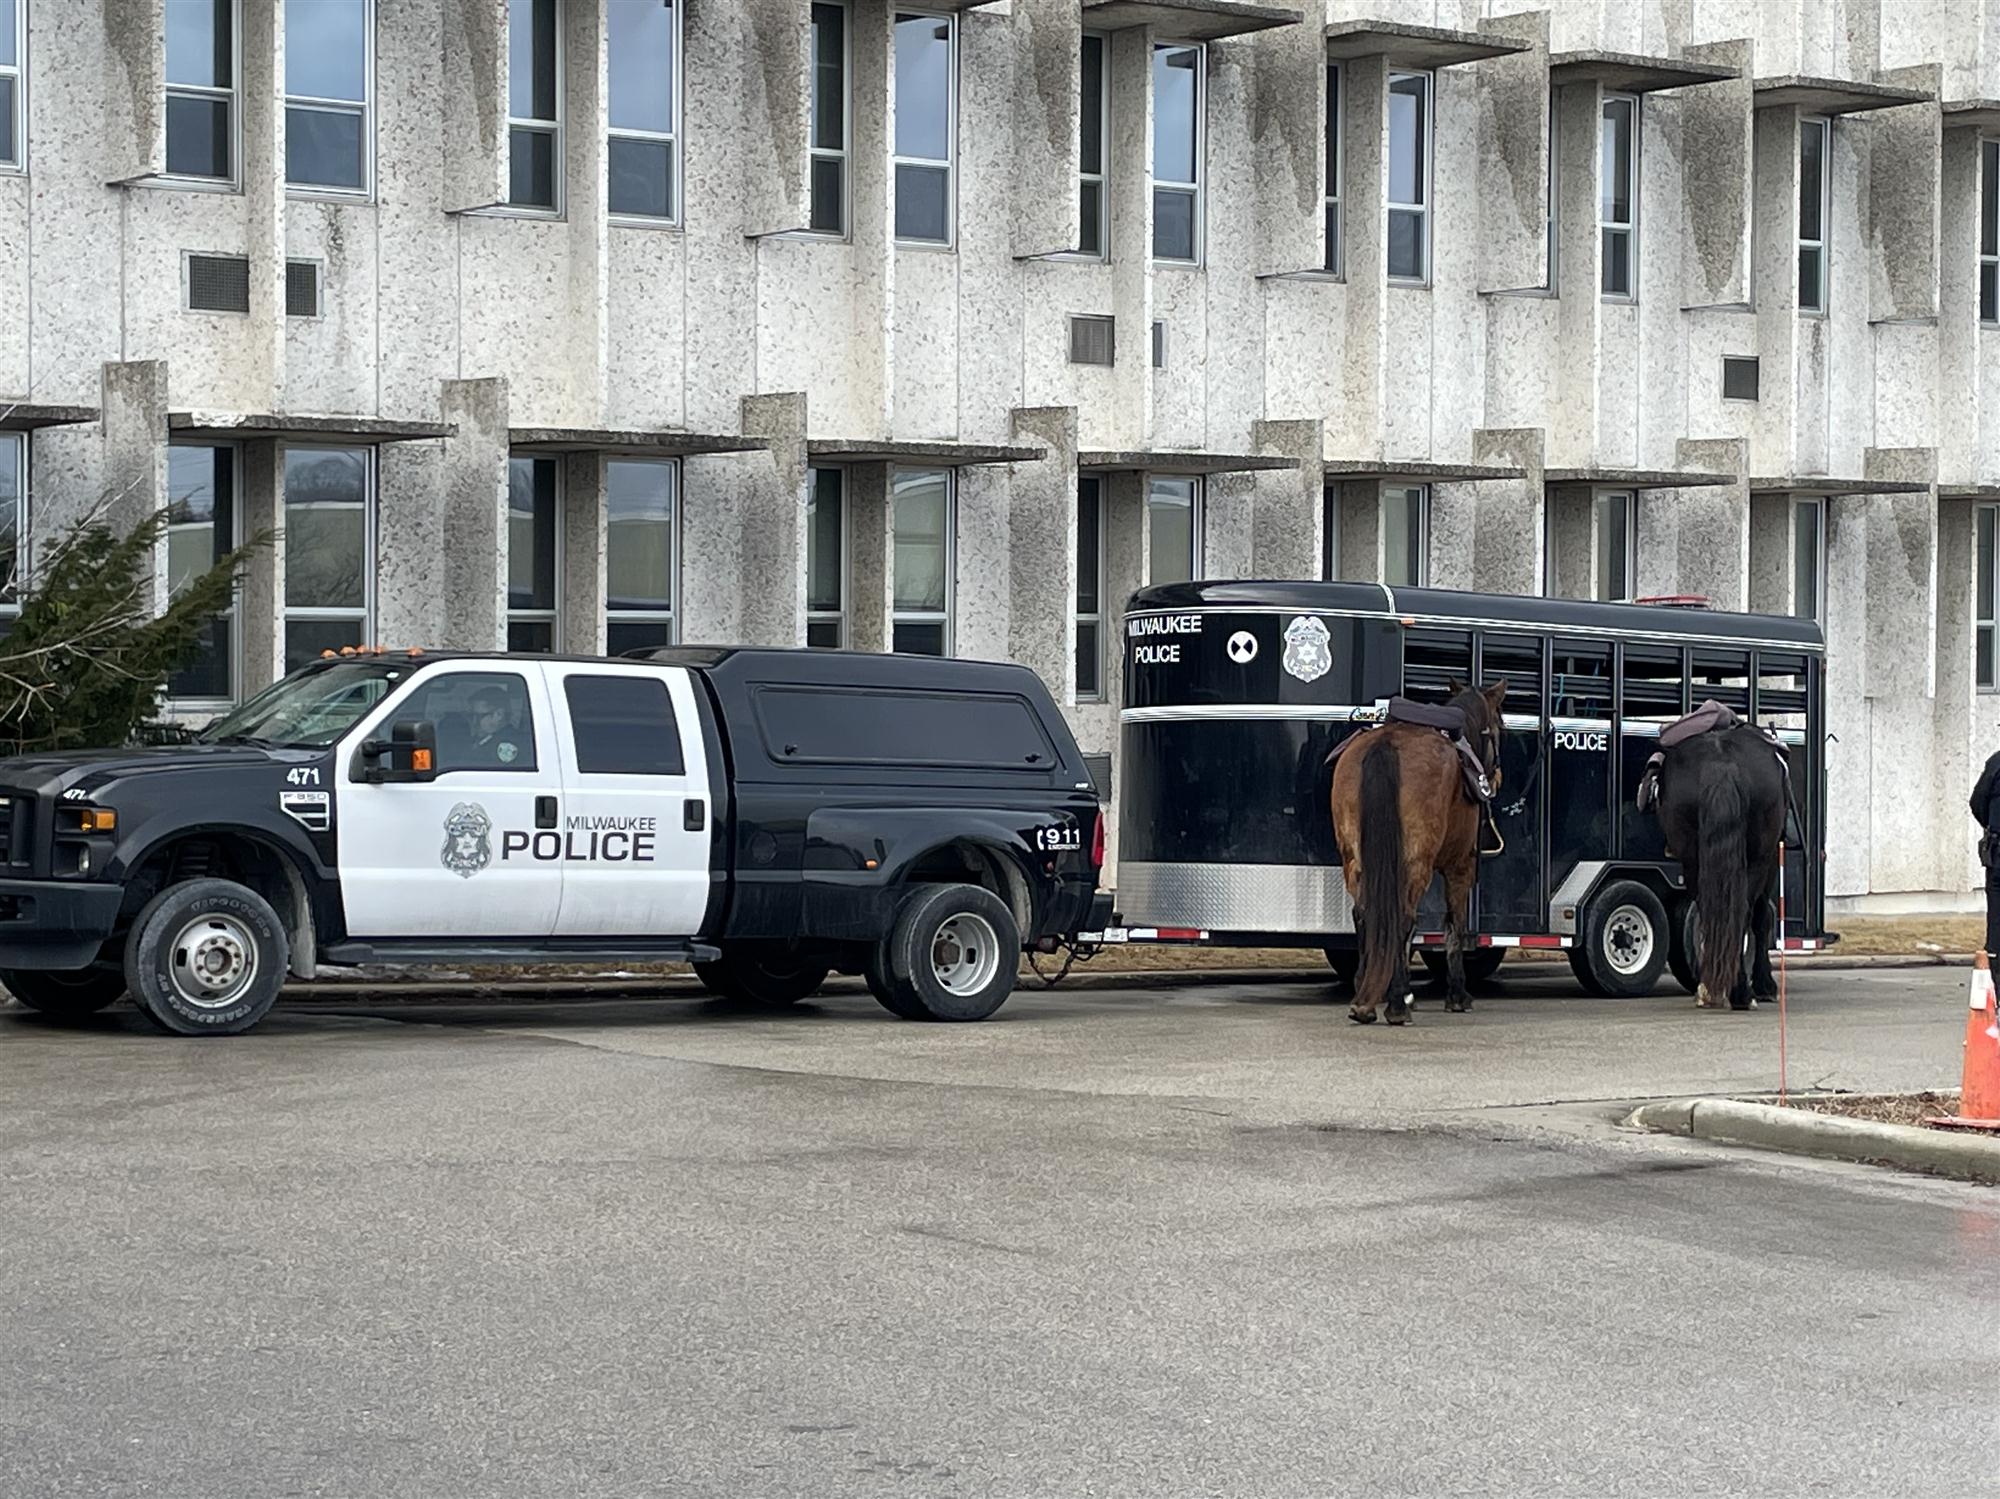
(589,324)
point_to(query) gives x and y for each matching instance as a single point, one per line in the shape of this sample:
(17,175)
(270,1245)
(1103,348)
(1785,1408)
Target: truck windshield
(309,709)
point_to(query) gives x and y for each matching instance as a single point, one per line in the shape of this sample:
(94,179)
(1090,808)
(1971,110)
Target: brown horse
(1401,813)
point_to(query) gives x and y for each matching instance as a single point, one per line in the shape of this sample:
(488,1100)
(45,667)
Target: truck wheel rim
(965,954)
(1628,940)
(214,959)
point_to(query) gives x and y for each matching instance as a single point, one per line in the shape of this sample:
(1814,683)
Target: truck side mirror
(408,754)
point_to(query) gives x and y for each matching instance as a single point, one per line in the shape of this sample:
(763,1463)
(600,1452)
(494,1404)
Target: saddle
(1446,721)
(1709,718)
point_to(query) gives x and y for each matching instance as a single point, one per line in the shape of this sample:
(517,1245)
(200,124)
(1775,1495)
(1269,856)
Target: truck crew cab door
(452,857)
(637,809)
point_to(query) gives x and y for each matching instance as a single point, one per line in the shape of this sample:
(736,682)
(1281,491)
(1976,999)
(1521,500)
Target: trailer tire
(953,954)
(774,981)
(65,996)
(207,958)
(1682,958)
(1345,963)
(1481,963)
(1622,942)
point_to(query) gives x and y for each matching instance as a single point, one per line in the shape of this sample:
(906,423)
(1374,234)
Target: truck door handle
(694,816)
(545,811)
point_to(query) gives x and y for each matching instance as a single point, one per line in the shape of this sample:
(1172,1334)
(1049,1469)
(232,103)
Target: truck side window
(624,726)
(483,720)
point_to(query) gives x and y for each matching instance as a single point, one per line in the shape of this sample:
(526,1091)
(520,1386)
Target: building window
(1989,233)
(1177,144)
(1329,545)
(642,566)
(13,117)
(1809,558)
(1094,209)
(830,111)
(643,42)
(1549,209)
(329,550)
(1409,177)
(13,519)
(1089,587)
(328,62)
(1333,137)
(826,558)
(1406,518)
(201,531)
(1618,194)
(534,501)
(1815,208)
(1173,529)
(926,122)
(201,89)
(923,565)
(1617,512)
(1984,588)
(534,104)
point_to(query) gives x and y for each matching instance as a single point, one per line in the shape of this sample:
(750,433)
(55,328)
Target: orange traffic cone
(1979,1096)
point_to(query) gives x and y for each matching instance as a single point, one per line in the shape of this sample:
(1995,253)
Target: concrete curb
(1799,1132)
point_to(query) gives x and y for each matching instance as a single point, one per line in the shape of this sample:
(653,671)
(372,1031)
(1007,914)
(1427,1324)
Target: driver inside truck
(494,741)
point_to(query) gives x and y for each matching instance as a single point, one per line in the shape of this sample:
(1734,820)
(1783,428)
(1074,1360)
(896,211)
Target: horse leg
(1457,916)
(1354,1011)
(1763,936)
(1396,1008)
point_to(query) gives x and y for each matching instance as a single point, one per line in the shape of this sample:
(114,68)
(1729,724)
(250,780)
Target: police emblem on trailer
(467,846)
(1308,656)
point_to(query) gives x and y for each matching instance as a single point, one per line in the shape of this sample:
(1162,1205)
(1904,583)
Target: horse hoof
(1701,998)
(1399,1017)
(1361,1017)
(1748,1002)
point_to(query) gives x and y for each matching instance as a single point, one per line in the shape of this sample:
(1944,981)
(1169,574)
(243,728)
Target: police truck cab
(767,815)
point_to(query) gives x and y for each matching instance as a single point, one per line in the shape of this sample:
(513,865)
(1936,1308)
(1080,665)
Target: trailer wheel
(1623,942)
(953,954)
(65,996)
(1345,963)
(1683,958)
(775,979)
(207,958)
(1481,963)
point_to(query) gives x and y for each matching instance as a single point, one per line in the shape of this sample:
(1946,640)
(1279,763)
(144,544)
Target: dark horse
(1722,805)
(1401,812)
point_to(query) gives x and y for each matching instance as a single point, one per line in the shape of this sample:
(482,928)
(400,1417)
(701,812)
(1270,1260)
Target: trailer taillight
(1097,843)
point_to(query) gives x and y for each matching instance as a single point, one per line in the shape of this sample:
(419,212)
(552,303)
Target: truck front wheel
(65,996)
(952,955)
(763,978)
(207,958)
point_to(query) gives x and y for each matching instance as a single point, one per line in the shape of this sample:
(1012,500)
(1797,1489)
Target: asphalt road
(1207,1241)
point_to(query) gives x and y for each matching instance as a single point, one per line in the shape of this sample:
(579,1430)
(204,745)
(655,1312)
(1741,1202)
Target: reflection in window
(644,48)
(1409,176)
(1089,587)
(1615,514)
(1177,106)
(829,119)
(1809,557)
(201,89)
(926,103)
(1815,137)
(1984,591)
(922,615)
(13,518)
(1333,126)
(201,531)
(1618,193)
(1093,207)
(1989,233)
(534,103)
(327,93)
(533,502)
(1173,529)
(826,559)
(641,553)
(329,550)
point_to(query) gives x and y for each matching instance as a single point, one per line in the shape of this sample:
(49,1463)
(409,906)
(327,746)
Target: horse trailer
(1235,693)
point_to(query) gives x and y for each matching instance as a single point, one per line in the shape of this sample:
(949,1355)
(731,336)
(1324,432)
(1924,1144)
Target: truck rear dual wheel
(952,954)
(775,979)
(65,996)
(207,958)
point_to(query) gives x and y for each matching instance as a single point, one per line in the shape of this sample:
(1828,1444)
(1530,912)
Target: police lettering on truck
(468,844)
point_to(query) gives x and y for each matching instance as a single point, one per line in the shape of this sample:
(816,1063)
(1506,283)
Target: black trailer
(1235,693)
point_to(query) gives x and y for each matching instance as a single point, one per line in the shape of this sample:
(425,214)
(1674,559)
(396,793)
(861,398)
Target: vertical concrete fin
(583,551)
(1288,506)
(871,562)
(263,72)
(260,487)
(1048,103)
(1289,131)
(133,429)
(872,207)
(1130,152)
(1698,540)
(1364,87)
(1573,425)
(1127,562)
(474,95)
(1716,179)
(1905,149)
(412,547)
(475,522)
(772,512)
(1901,636)
(1041,549)
(1507,528)
(135,97)
(1514,156)
(1776,290)
(1772,585)
(777,101)
(1960,360)
(587,169)
(1571,541)
(1359,517)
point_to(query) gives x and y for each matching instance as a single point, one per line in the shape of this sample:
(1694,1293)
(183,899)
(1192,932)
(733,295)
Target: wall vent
(302,288)
(218,283)
(1093,340)
(1159,345)
(1739,377)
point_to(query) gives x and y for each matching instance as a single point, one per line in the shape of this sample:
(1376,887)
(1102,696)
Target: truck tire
(1622,942)
(1682,959)
(953,953)
(207,958)
(775,979)
(65,996)
(1481,963)
(884,988)
(1345,963)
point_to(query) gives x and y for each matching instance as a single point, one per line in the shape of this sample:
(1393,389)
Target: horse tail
(1382,878)
(1723,903)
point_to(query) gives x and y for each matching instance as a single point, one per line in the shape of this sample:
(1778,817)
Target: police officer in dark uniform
(1986,810)
(493,739)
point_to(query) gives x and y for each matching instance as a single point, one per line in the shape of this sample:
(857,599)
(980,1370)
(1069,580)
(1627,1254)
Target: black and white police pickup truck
(769,815)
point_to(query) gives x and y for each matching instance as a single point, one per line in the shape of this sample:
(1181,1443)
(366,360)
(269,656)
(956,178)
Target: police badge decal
(467,846)
(1308,656)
